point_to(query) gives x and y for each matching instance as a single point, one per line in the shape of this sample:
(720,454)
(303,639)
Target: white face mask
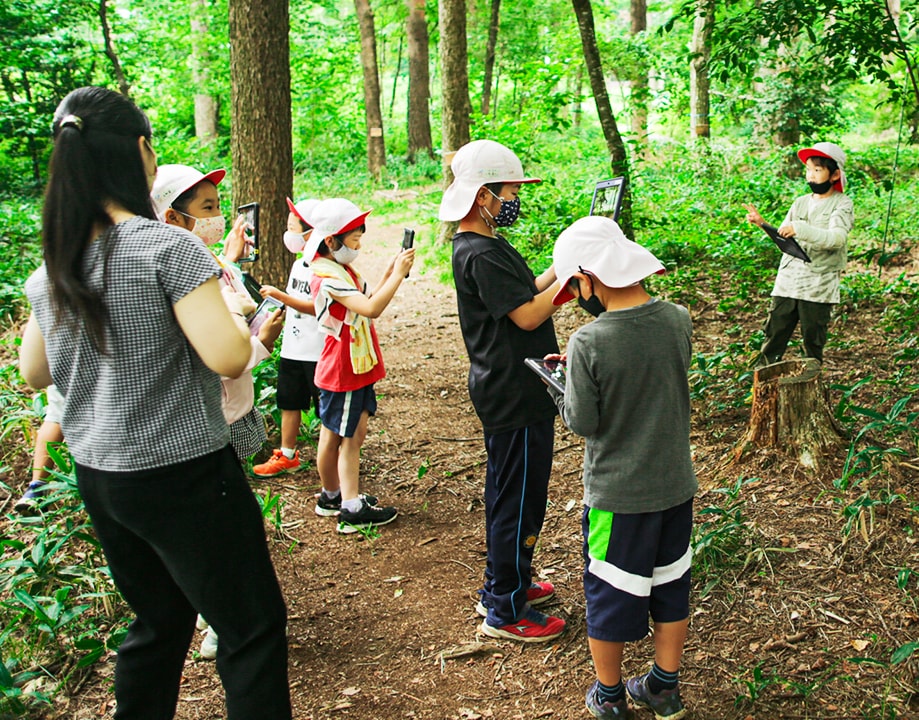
(294,241)
(345,255)
(209,229)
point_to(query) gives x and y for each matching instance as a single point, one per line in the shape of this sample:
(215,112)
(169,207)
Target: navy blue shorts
(340,412)
(636,565)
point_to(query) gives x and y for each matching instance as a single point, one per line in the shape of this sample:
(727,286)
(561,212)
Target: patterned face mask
(509,212)
(209,229)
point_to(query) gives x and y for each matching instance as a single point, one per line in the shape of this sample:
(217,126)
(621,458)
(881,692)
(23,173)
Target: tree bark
(700,52)
(419,82)
(490,49)
(205,103)
(260,136)
(376,147)
(640,93)
(124,87)
(790,412)
(455,94)
(619,160)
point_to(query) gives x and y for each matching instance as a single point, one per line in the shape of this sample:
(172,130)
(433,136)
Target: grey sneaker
(667,704)
(607,710)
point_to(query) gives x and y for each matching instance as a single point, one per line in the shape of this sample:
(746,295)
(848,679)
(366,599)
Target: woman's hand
(238,302)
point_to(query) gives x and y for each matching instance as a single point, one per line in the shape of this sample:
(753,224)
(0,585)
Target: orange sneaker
(277,464)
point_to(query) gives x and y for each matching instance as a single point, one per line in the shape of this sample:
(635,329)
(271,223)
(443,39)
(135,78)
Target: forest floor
(797,619)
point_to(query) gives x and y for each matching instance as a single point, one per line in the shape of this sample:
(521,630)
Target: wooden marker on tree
(790,412)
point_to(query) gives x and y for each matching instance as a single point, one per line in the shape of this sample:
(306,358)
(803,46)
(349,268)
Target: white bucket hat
(596,245)
(303,209)
(831,151)
(334,216)
(173,180)
(476,164)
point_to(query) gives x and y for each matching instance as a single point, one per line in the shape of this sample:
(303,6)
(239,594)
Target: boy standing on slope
(820,221)
(505,315)
(627,393)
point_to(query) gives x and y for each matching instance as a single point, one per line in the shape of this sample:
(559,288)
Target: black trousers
(516,492)
(184,539)
(784,316)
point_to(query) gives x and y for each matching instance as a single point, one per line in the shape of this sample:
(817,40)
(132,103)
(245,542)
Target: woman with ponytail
(128,321)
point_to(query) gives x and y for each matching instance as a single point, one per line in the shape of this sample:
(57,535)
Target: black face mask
(593,306)
(820,188)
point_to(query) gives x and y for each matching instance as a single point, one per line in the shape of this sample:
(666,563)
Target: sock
(609,693)
(288,453)
(352,505)
(661,679)
(330,496)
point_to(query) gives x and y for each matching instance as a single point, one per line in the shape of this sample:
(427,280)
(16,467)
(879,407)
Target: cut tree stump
(790,412)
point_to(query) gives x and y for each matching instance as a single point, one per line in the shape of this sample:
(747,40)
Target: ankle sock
(331,496)
(352,505)
(609,693)
(288,452)
(659,679)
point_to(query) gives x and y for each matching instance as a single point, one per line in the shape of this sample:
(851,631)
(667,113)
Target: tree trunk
(619,160)
(790,412)
(419,82)
(455,93)
(205,102)
(490,54)
(376,148)
(700,52)
(260,136)
(640,94)
(124,87)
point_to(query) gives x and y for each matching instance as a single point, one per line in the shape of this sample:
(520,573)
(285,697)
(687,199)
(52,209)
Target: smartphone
(262,312)
(408,239)
(253,286)
(250,213)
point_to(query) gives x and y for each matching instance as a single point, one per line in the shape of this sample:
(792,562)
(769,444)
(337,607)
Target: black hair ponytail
(96,162)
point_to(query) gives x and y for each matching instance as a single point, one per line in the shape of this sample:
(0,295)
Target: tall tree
(455,105)
(619,159)
(205,100)
(376,148)
(700,51)
(260,136)
(640,94)
(124,87)
(490,50)
(419,82)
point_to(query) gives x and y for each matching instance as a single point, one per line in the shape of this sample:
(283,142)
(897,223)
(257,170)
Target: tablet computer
(787,245)
(552,372)
(607,199)
(253,286)
(262,313)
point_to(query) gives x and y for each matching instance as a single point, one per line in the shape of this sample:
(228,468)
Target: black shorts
(297,385)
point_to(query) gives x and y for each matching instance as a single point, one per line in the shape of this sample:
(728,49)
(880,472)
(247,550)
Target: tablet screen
(607,200)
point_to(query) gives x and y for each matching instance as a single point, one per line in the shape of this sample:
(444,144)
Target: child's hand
(237,245)
(753,215)
(403,261)
(787,230)
(270,330)
(238,302)
(556,357)
(269,291)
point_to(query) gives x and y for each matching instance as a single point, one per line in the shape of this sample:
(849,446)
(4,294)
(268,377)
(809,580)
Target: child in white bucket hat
(506,316)
(627,393)
(820,221)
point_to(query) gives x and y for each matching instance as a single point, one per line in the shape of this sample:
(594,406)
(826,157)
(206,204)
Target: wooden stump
(790,412)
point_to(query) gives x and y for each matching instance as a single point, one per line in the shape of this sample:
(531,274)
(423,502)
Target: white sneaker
(201,624)
(208,649)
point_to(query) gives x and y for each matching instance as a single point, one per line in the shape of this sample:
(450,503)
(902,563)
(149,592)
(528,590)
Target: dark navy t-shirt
(491,280)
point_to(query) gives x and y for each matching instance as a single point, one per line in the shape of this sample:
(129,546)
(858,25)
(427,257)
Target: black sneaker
(327,507)
(367,516)
(666,705)
(606,710)
(29,503)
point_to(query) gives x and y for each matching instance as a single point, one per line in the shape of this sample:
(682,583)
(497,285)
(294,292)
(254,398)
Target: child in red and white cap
(820,222)
(351,360)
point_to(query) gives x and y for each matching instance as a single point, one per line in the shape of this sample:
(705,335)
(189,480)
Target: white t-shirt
(302,339)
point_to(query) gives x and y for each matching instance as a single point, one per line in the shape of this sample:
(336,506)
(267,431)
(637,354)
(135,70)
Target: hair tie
(74,120)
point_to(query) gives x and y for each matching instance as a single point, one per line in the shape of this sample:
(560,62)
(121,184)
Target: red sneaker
(532,627)
(277,464)
(540,592)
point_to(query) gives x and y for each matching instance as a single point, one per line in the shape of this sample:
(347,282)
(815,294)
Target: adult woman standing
(129,322)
